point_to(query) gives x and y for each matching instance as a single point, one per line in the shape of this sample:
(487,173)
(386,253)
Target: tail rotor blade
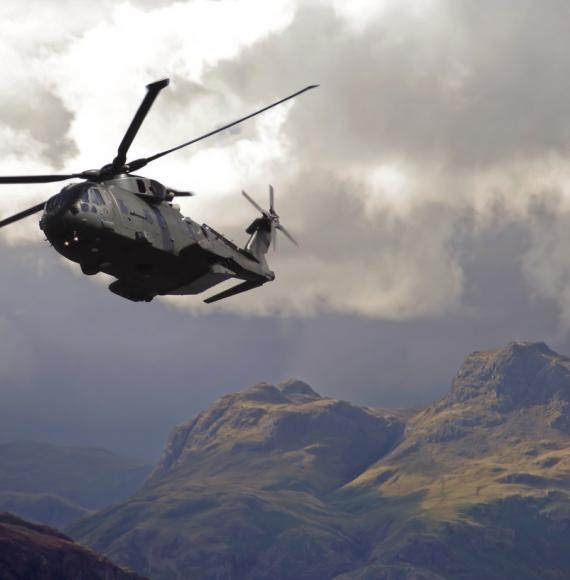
(282,229)
(254,203)
(271,200)
(22,214)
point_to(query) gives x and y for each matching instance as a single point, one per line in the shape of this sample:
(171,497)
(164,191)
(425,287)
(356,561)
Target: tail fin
(262,230)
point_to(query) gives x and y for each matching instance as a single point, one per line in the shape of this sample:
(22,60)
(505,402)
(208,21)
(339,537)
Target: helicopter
(126,226)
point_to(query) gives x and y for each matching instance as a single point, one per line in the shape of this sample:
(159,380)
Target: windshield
(66,197)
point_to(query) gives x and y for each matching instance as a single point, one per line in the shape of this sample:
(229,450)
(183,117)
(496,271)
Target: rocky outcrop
(521,374)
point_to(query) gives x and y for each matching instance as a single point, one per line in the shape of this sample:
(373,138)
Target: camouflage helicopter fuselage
(125,225)
(128,228)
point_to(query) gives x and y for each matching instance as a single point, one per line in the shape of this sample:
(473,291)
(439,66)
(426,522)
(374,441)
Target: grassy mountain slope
(279,482)
(243,485)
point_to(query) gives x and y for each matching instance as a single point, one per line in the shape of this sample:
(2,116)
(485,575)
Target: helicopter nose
(61,212)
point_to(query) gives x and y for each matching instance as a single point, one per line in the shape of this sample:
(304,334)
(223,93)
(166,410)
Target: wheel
(90,269)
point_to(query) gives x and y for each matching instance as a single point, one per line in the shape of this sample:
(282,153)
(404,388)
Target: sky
(427,180)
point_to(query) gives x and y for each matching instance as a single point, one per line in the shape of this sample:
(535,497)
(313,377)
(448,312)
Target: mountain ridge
(277,481)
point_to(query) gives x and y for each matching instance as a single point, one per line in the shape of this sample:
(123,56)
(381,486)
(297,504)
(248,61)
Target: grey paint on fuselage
(123,227)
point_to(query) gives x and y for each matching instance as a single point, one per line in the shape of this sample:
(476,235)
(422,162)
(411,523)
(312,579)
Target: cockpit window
(96,197)
(67,196)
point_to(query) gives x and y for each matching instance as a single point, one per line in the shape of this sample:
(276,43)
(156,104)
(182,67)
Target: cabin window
(140,185)
(148,217)
(123,206)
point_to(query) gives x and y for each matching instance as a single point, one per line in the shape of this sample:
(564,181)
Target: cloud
(427,180)
(429,114)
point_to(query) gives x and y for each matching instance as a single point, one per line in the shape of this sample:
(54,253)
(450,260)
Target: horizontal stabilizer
(243,287)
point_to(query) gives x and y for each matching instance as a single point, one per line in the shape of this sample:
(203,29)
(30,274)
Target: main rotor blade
(139,163)
(282,229)
(37,178)
(255,204)
(152,92)
(22,214)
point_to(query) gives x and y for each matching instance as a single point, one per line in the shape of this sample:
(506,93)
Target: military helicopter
(125,225)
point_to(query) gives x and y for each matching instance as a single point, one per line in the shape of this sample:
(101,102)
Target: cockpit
(90,199)
(84,197)
(64,198)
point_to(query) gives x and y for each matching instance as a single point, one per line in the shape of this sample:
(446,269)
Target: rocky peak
(261,393)
(261,423)
(519,374)
(297,390)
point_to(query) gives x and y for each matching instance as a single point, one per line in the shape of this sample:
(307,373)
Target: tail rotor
(270,220)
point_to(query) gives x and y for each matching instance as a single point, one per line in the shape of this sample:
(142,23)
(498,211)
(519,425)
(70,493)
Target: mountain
(56,485)
(279,482)
(243,484)
(33,552)
(484,474)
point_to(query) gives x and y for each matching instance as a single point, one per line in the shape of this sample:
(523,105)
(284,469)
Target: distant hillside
(278,482)
(55,485)
(32,552)
(44,508)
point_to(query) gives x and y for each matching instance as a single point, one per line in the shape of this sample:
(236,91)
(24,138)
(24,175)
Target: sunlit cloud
(433,118)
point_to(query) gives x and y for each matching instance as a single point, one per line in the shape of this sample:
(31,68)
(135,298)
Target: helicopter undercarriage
(143,271)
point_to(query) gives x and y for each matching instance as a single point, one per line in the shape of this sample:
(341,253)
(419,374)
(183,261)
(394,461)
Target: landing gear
(131,292)
(90,269)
